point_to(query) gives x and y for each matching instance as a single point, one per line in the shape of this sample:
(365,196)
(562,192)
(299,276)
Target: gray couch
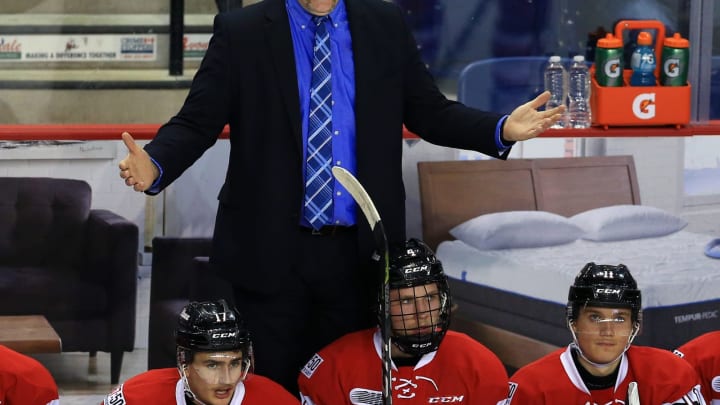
(75,265)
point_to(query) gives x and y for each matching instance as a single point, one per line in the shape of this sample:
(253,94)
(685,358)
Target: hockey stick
(633,398)
(361,197)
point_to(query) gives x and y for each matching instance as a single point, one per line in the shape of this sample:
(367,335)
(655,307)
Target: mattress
(525,290)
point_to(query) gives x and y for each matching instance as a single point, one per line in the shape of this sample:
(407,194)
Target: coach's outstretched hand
(137,169)
(527,122)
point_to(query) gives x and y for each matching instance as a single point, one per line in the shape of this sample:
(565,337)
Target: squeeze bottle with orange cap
(643,62)
(609,61)
(675,57)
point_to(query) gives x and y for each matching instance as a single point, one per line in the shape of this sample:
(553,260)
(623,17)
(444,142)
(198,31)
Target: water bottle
(642,62)
(579,115)
(556,84)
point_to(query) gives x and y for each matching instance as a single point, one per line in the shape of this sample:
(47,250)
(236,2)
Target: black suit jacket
(248,79)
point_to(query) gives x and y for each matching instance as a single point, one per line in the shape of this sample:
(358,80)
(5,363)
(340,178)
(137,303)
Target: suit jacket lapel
(366,40)
(279,41)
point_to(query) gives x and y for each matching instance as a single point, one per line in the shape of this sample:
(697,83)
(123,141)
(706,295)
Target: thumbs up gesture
(137,169)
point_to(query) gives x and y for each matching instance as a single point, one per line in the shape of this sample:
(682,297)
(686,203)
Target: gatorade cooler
(641,105)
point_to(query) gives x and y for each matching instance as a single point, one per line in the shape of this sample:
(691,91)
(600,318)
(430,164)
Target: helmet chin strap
(186,386)
(182,365)
(576,345)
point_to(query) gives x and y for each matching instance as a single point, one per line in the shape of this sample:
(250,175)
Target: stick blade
(353,186)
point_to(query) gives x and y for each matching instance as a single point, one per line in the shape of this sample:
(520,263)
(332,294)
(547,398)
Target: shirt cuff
(155,188)
(502,147)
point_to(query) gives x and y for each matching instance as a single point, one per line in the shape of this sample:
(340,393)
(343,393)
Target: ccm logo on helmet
(421,345)
(224,335)
(607,291)
(417,269)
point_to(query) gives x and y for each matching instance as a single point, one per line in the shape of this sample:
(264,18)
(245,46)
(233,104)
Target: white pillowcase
(516,229)
(624,222)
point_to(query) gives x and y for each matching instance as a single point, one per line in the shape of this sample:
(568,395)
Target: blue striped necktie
(318,162)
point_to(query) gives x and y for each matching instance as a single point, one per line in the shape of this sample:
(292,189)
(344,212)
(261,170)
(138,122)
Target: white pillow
(623,222)
(516,229)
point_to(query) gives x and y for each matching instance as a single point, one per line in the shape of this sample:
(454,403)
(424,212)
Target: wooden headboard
(453,192)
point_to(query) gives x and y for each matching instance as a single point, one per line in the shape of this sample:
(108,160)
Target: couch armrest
(112,252)
(113,263)
(172,266)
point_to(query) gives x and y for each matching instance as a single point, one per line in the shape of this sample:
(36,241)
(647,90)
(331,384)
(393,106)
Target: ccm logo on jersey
(644,106)
(312,365)
(446,400)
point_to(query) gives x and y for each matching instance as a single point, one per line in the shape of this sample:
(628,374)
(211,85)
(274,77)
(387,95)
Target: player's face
(318,7)
(603,333)
(415,310)
(212,376)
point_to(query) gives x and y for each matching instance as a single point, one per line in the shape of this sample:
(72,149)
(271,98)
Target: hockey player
(430,363)
(23,380)
(703,353)
(604,316)
(214,366)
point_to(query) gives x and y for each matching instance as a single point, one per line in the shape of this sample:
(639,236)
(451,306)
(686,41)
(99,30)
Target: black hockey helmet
(601,285)
(412,263)
(212,326)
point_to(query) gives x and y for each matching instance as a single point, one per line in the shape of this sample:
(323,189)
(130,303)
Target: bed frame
(453,192)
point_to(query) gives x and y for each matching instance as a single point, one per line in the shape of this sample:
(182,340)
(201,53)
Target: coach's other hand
(137,169)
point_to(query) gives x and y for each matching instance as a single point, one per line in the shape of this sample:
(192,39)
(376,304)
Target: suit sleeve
(196,127)
(429,114)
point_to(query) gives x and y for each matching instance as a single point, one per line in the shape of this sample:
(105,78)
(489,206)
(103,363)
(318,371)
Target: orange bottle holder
(639,105)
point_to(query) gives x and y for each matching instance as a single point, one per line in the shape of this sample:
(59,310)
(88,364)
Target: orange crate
(639,105)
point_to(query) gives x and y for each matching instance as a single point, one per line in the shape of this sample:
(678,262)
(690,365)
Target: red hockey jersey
(349,371)
(703,353)
(24,381)
(662,378)
(164,387)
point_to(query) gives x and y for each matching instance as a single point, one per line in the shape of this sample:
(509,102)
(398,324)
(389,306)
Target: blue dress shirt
(343,95)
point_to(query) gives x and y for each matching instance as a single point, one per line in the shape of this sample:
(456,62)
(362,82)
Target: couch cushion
(41,291)
(42,220)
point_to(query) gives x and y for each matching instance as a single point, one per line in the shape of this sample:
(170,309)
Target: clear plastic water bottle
(643,62)
(579,114)
(556,84)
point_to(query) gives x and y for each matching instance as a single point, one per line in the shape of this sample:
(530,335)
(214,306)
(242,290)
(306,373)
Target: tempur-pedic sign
(697,316)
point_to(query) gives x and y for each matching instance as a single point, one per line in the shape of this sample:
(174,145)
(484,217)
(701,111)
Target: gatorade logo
(644,106)
(672,67)
(612,68)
